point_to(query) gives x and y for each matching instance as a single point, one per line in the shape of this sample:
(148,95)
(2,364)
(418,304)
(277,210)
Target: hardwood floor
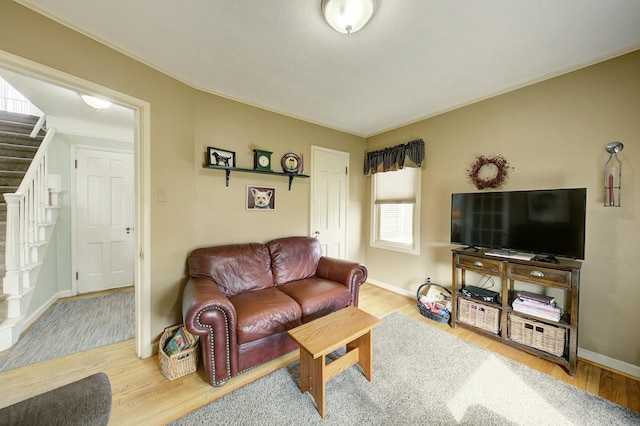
(141,395)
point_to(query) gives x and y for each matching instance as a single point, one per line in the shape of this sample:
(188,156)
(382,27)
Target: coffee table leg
(305,363)
(365,353)
(318,384)
(312,375)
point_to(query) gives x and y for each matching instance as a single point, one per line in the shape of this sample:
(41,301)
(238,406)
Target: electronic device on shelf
(510,254)
(480,293)
(547,222)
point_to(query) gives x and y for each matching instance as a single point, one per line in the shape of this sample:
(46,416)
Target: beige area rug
(421,375)
(74,326)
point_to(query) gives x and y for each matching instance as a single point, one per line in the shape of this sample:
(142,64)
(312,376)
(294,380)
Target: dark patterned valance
(393,158)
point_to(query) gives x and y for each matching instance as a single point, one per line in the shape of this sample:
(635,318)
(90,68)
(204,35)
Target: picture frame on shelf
(261,198)
(220,157)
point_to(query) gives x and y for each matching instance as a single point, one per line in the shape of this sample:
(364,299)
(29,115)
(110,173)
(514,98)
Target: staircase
(30,212)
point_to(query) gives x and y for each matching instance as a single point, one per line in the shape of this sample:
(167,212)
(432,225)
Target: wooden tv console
(564,276)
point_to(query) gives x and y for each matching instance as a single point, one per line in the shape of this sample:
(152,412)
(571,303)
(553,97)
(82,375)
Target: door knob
(316,233)
(128,229)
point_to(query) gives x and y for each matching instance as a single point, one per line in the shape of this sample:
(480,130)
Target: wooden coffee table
(349,326)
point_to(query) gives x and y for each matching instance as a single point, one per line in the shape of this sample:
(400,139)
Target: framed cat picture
(261,198)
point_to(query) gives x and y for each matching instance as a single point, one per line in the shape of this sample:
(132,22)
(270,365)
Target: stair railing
(26,210)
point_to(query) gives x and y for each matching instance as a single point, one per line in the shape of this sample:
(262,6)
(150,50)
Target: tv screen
(542,222)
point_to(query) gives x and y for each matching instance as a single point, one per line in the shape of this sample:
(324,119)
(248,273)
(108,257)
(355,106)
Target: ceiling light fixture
(348,16)
(96,103)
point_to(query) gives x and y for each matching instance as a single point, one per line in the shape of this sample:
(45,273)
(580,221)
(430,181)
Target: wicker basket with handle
(178,364)
(443,315)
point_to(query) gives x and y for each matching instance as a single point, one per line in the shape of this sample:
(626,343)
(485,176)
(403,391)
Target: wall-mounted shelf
(228,171)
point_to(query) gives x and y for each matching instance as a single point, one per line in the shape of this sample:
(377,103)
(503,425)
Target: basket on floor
(178,364)
(443,296)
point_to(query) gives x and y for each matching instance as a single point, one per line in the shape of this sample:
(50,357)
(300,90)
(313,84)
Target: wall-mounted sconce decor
(613,175)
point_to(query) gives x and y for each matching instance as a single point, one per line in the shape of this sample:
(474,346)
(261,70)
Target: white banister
(38,126)
(26,212)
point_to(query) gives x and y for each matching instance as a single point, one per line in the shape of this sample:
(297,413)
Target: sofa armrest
(209,314)
(351,274)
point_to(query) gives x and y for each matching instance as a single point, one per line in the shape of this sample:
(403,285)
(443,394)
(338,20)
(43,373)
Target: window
(395,222)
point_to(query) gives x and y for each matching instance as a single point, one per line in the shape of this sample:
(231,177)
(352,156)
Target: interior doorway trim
(142,143)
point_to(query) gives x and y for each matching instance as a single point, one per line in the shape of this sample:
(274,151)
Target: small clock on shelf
(262,160)
(291,163)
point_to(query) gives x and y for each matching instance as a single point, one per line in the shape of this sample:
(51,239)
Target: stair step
(14,163)
(18,127)
(14,150)
(13,179)
(20,138)
(18,117)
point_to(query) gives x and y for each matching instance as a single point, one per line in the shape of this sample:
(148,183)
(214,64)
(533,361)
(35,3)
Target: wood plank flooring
(142,396)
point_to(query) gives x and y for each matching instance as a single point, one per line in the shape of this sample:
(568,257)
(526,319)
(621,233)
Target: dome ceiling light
(348,16)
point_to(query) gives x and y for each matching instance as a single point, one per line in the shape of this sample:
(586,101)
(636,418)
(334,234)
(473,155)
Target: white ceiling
(415,59)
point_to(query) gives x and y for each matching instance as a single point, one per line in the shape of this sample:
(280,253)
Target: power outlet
(162,195)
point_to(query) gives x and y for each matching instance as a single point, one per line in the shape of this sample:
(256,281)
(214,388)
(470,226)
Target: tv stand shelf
(564,276)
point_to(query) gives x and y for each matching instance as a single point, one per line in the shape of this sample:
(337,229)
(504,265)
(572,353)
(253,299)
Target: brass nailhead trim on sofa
(211,346)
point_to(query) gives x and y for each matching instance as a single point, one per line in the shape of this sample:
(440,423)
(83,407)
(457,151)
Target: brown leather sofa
(241,299)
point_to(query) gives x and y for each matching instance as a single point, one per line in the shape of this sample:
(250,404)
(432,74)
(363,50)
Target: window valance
(394,158)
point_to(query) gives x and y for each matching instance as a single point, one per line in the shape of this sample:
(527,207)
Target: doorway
(141,173)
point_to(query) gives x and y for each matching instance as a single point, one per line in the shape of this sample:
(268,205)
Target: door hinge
(141,255)
(76,276)
(346,170)
(76,163)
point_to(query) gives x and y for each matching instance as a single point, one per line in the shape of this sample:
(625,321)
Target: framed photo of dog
(261,198)
(220,157)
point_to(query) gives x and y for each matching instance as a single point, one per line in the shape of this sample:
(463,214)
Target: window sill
(400,248)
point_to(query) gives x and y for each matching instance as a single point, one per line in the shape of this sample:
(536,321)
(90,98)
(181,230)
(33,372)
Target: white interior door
(104,219)
(329,177)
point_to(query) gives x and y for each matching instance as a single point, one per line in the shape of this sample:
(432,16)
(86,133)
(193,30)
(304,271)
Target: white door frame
(142,159)
(314,149)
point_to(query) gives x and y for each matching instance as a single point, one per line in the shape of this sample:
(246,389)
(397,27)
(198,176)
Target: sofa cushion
(234,268)
(317,296)
(265,312)
(294,258)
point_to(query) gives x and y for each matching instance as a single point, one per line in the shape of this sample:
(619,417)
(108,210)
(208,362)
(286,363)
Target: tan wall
(199,210)
(553,134)
(221,211)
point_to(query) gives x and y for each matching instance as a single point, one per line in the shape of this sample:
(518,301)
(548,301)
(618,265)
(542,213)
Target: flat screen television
(549,223)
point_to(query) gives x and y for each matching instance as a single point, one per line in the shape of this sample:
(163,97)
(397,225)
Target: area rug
(74,326)
(421,375)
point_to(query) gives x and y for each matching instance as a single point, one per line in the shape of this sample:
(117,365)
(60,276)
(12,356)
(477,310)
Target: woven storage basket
(181,363)
(536,334)
(479,315)
(446,317)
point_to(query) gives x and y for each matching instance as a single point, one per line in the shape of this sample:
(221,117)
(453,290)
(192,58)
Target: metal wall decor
(613,175)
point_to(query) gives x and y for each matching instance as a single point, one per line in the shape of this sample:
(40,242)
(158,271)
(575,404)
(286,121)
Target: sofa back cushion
(294,258)
(236,269)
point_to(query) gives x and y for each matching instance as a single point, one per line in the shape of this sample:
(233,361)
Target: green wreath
(494,181)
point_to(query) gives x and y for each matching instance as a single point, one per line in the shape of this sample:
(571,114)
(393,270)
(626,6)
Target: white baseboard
(611,363)
(390,287)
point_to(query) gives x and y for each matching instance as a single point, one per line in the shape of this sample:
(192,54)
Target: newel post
(12,246)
